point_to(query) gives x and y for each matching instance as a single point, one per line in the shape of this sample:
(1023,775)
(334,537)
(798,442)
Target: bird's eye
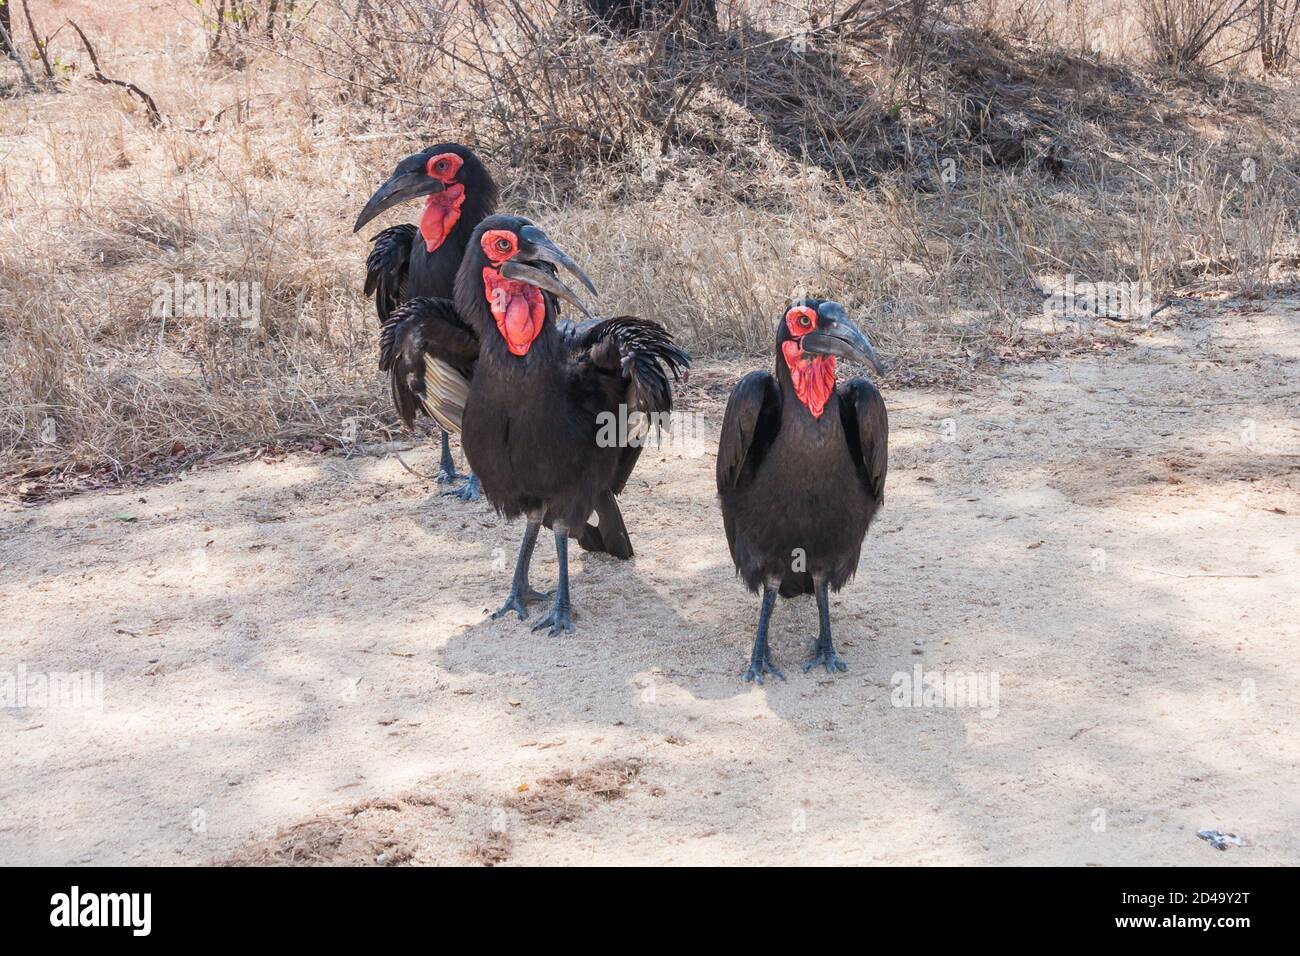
(804,321)
(503,245)
(440,165)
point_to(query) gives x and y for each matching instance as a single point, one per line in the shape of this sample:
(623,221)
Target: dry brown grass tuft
(936,175)
(376,832)
(565,796)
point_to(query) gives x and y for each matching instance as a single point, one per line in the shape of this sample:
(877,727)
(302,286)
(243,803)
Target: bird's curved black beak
(404,184)
(837,335)
(536,247)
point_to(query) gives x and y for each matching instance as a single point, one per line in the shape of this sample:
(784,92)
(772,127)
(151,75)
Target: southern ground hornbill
(537,395)
(407,261)
(801,471)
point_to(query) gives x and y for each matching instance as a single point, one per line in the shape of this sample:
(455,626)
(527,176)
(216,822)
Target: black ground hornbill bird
(537,396)
(801,471)
(408,261)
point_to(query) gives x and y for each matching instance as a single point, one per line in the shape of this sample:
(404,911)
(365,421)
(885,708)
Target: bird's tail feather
(794,583)
(610,535)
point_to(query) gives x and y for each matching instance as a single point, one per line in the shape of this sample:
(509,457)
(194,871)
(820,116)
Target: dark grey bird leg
(824,650)
(447,467)
(521,594)
(560,617)
(760,661)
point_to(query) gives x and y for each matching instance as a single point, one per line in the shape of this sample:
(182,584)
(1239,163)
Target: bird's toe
(558,619)
(466,492)
(828,659)
(758,669)
(513,603)
(472,490)
(518,602)
(446,476)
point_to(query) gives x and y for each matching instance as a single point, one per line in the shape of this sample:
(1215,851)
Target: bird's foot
(559,619)
(758,667)
(518,602)
(447,476)
(470,491)
(825,655)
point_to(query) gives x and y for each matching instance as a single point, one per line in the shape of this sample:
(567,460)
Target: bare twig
(1175,574)
(401,461)
(40,47)
(155,117)
(671,121)
(662,41)
(22,67)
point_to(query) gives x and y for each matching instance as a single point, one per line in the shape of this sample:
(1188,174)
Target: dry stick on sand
(155,117)
(1175,574)
(402,461)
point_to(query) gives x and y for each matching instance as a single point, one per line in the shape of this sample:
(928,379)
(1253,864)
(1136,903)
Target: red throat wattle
(813,376)
(518,308)
(441,213)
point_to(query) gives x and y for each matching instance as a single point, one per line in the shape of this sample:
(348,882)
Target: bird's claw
(559,619)
(447,476)
(757,669)
(518,602)
(827,657)
(466,492)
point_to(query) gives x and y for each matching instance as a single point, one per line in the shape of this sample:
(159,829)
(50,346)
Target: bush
(1182,31)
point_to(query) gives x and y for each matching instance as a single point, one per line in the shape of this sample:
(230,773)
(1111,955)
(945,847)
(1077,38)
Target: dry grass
(414,828)
(376,832)
(935,175)
(565,796)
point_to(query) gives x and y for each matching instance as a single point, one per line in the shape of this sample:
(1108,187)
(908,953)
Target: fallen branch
(155,117)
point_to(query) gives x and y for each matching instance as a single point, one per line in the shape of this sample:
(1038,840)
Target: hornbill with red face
(539,394)
(801,471)
(409,262)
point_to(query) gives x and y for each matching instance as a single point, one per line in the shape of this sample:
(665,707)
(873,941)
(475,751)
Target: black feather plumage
(779,467)
(423,328)
(801,473)
(401,267)
(532,421)
(388,266)
(645,354)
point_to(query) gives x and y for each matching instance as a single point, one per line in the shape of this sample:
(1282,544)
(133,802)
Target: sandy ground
(296,663)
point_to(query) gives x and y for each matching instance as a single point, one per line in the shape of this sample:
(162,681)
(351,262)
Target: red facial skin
(442,210)
(518,307)
(813,375)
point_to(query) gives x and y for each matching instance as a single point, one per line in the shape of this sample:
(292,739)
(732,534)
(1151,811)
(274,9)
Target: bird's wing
(429,353)
(866,426)
(386,268)
(631,359)
(576,332)
(638,353)
(749,426)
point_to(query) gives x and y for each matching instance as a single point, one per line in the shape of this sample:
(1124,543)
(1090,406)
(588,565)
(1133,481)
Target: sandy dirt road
(297,667)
